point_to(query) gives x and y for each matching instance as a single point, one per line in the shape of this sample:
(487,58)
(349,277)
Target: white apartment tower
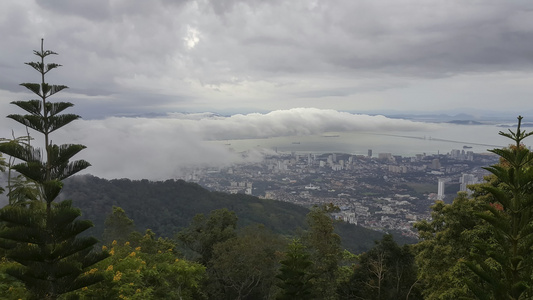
(441,188)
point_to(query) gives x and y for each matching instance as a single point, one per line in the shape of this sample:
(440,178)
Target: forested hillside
(168,206)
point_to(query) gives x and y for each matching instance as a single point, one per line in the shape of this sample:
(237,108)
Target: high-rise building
(435,164)
(385,156)
(441,189)
(369,152)
(470,155)
(467,179)
(456,154)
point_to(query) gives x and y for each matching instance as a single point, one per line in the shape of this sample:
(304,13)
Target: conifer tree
(325,251)
(294,274)
(42,236)
(480,247)
(506,261)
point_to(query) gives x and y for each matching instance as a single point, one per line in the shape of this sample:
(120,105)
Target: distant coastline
(479,139)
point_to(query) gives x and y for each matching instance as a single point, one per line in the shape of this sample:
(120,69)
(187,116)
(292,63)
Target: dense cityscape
(382,192)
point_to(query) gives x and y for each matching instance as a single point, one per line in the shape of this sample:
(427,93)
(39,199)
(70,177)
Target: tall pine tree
(480,247)
(42,236)
(505,262)
(294,274)
(325,251)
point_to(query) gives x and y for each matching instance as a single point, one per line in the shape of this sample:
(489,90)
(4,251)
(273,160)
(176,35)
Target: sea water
(439,139)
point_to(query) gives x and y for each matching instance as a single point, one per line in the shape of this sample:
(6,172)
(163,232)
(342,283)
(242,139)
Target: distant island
(465,122)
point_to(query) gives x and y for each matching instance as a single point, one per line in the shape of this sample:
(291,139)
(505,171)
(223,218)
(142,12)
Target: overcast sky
(266,60)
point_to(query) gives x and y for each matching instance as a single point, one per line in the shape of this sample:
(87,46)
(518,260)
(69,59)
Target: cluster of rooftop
(386,193)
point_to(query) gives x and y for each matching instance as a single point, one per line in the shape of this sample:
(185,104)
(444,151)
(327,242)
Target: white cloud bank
(296,121)
(159,148)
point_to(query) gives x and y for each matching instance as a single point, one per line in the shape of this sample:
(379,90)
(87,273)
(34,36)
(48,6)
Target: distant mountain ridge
(168,206)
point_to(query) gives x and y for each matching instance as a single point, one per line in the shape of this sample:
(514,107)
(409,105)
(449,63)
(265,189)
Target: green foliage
(387,271)
(204,233)
(43,116)
(446,242)
(294,274)
(174,203)
(20,189)
(480,247)
(505,263)
(146,268)
(245,266)
(50,258)
(39,234)
(325,249)
(10,287)
(118,226)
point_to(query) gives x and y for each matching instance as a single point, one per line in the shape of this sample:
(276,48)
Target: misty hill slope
(167,206)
